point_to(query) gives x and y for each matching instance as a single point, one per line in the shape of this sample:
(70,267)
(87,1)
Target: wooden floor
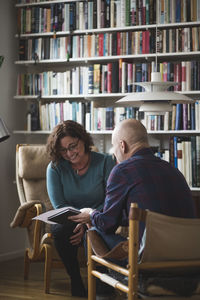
(14,287)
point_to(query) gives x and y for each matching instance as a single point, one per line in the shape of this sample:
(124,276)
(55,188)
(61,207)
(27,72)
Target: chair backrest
(31,164)
(170,239)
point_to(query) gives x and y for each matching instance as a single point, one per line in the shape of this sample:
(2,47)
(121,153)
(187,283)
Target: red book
(143,42)
(109,88)
(118,43)
(147,37)
(143,13)
(101,38)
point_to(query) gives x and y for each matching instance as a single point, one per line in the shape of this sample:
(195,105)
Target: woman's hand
(76,238)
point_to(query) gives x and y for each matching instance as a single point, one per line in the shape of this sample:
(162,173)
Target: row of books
(115,43)
(182,117)
(107,44)
(178,40)
(86,15)
(184,154)
(171,11)
(114,77)
(109,13)
(45,48)
(95,117)
(86,113)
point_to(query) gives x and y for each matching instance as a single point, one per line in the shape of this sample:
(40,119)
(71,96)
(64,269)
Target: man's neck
(136,148)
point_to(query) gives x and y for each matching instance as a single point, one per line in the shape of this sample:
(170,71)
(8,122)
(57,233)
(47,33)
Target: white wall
(12,241)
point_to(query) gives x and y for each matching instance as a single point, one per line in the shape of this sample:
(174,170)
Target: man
(138,177)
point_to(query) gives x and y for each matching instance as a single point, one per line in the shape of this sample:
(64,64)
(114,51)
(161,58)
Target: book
(59,215)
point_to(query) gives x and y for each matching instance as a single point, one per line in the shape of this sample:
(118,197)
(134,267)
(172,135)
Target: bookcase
(80,57)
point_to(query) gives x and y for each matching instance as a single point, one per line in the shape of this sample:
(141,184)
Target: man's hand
(79,231)
(83,217)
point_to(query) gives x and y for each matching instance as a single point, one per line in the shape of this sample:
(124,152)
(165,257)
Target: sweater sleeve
(108,220)
(54,187)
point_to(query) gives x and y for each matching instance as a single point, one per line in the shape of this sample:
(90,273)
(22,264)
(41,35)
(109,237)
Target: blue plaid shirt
(149,181)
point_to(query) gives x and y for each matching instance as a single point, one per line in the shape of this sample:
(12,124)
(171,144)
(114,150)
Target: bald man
(139,177)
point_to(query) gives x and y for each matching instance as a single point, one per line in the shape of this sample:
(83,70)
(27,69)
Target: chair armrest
(47,239)
(25,213)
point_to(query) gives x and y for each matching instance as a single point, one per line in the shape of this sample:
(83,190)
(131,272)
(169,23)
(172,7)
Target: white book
(118,13)
(87,121)
(166,121)
(92,115)
(66,110)
(188,75)
(188,168)
(80,15)
(197,115)
(119,114)
(66,17)
(179,156)
(90,15)
(80,113)
(123,13)
(124,77)
(99,13)
(47,116)
(112,13)
(183,79)
(166,155)
(198,10)
(75,80)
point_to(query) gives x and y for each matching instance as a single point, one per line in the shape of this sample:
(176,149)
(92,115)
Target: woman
(76,176)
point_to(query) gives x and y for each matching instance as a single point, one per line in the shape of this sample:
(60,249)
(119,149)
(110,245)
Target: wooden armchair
(170,249)
(31,164)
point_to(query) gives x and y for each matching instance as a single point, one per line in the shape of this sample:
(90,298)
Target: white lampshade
(156,99)
(4,134)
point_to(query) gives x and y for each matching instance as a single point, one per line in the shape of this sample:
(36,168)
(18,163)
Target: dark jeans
(67,252)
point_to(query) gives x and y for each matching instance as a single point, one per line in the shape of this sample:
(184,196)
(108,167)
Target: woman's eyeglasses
(71,148)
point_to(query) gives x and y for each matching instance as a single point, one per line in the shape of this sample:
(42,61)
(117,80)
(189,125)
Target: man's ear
(123,146)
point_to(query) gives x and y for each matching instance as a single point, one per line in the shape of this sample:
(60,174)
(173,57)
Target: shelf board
(103,96)
(165,132)
(44,3)
(107,58)
(87,31)
(195,189)
(174,132)
(41,132)
(181,24)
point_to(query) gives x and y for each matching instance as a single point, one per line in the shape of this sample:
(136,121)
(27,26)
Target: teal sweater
(66,188)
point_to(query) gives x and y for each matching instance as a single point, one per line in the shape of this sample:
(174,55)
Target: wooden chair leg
(26,265)
(47,267)
(91,278)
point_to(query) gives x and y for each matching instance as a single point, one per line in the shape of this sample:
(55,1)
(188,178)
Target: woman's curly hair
(66,128)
